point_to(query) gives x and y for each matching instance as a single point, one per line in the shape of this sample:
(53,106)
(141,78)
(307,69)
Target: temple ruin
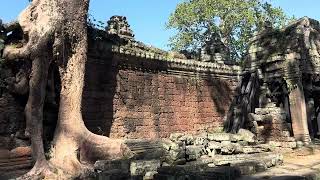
(182,109)
(278,94)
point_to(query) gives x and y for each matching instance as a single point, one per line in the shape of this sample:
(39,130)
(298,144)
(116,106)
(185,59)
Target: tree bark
(34,112)
(58,28)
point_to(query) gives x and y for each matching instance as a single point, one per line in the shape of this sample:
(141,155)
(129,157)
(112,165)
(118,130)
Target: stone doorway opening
(312,94)
(315,117)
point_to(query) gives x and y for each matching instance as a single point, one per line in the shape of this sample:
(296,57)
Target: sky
(148,17)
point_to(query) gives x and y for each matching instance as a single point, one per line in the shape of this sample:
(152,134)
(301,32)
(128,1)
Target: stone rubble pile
(207,155)
(270,125)
(181,148)
(221,167)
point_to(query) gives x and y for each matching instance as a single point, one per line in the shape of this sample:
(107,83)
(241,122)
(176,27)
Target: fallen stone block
(216,130)
(211,152)
(219,137)
(176,137)
(150,175)
(147,149)
(214,145)
(201,140)
(283,144)
(194,152)
(140,167)
(189,139)
(227,147)
(254,149)
(247,135)
(266,159)
(175,154)
(171,145)
(235,138)
(103,165)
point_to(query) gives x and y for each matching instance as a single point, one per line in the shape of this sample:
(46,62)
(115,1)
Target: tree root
(40,170)
(96,147)
(92,148)
(51,30)
(48,170)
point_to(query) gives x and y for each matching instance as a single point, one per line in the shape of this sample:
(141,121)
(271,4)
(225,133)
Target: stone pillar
(298,111)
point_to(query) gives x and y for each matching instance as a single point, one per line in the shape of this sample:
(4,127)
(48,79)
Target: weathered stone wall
(138,97)
(137,91)
(287,63)
(11,115)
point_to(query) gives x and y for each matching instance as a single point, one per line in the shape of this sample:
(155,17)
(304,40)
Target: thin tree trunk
(34,110)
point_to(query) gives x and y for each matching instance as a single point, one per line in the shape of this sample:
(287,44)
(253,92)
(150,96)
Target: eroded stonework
(280,84)
(137,91)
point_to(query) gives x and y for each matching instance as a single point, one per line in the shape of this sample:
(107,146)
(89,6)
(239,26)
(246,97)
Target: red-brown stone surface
(134,103)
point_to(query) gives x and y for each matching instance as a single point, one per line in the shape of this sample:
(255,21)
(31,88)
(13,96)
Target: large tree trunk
(57,30)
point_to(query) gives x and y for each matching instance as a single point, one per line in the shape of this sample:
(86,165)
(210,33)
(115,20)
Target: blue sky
(148,17)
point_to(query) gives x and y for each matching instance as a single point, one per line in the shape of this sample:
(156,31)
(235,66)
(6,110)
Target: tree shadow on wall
(220,92)
(98,94)
(107,87)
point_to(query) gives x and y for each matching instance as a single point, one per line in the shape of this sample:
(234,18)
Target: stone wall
(287,63)
(147,96)
(135,91)
(11,116)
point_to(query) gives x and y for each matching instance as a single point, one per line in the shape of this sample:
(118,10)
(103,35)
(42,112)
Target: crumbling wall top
(118,25)
(295,49)
(119,39)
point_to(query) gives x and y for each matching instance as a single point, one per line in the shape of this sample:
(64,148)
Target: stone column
(298,111)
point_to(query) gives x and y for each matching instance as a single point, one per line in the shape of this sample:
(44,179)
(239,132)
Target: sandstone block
(219,137)
(141,167)
(170,145)
(194,152)
(283,144)
(227,147)
(247,135)
(176,137)
(214,145)
(200,141)
(149,175)
(175,154)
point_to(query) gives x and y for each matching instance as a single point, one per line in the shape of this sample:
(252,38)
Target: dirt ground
(303,163)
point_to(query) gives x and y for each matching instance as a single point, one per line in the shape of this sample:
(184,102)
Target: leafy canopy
(234,20)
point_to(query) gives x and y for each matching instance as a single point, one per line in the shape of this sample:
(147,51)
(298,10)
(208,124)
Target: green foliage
(234,20)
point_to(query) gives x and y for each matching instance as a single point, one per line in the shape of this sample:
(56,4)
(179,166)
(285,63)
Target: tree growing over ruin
(55,33)
(234,21)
